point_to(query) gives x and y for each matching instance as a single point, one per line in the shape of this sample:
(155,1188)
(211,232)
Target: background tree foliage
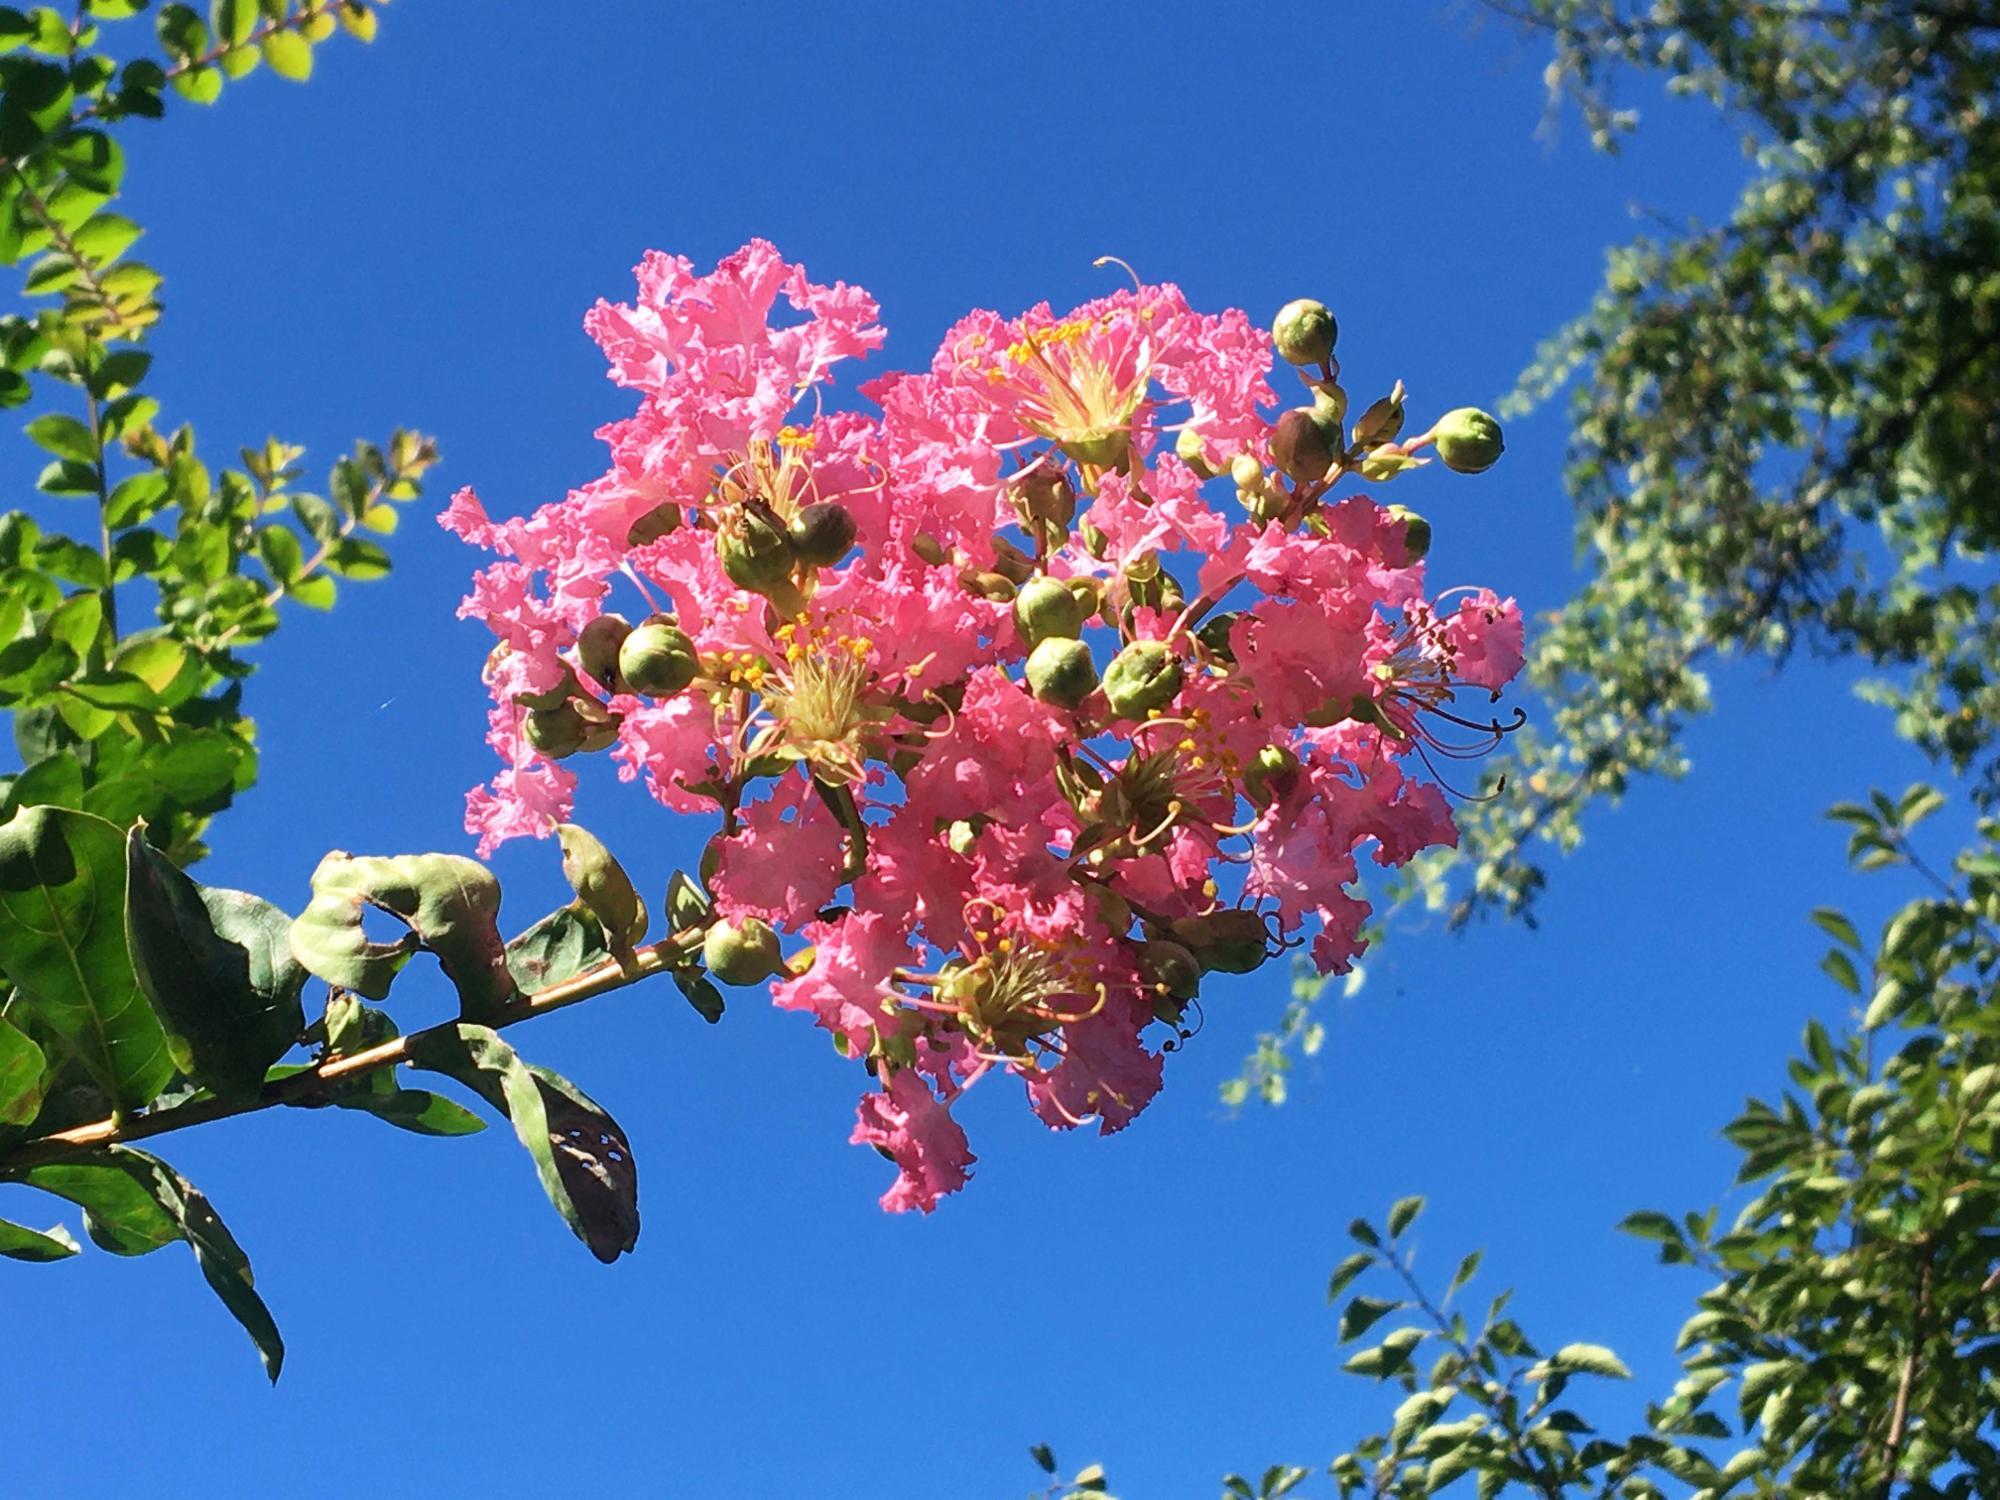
(1786,434)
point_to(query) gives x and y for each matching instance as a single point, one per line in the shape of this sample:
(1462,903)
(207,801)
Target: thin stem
(1899,1418)
(109,591)
(301,1088)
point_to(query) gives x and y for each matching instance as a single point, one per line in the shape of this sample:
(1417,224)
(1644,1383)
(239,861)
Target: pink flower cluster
(998,854)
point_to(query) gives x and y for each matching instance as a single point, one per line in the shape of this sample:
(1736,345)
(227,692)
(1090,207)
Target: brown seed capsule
(1304,444)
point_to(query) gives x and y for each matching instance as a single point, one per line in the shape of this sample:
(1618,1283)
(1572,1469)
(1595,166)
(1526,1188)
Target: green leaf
(1589,1359)
(68,476)
(224,1028)
(65,437)
(1362,1314)
(119,1214)
(699,992)
(136,499)
(23,1070)
(1344,1273)
(1403,1213)
(104,237)
(449,903)
(289,54)
(1836,926)
(18,1243)
(232,21)
(1840,968)
(62,939)
(580,1154)
(155,1206)
(686,905)
(418,1111)
(562,945)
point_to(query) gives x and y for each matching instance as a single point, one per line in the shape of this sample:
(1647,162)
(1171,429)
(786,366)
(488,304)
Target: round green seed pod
(1044,608)
(1305,443)
(1269,774)
(555,732)
(597,647)
(1304,332)
(743,952)
(1144,676)
(822,533)
(658,659)
(1416,532)
(755,552)
(1060,671)
(1468,440)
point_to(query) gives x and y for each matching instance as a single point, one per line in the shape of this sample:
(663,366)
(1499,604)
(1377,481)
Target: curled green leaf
(450,904)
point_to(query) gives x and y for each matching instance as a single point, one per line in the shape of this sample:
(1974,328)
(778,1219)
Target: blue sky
(414,238)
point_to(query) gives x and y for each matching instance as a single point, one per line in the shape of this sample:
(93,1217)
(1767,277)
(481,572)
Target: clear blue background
(414,238)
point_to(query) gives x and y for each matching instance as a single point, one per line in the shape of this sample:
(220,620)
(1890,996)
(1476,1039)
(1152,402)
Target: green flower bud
(1330,401)
(1095,542)
(742,953)
(1305,444)
(1468,440)
(1382,421)
(1269,775)
(1191,450)
(756,551)
(1170,966)
(658,659)
(660,521)
(1144,676)
(597,649)
(555,732)
(1229,942)
(1060,671)
(928,548)
(1416,532)
(1265,505)
(1044,608)
(822,533)
(1304,332)
(1214,634)
(1246,472)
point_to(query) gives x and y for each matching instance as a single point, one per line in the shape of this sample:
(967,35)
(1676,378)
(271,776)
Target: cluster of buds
(1014,736)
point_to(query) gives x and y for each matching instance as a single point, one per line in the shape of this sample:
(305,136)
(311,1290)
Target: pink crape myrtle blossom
(1030,693)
